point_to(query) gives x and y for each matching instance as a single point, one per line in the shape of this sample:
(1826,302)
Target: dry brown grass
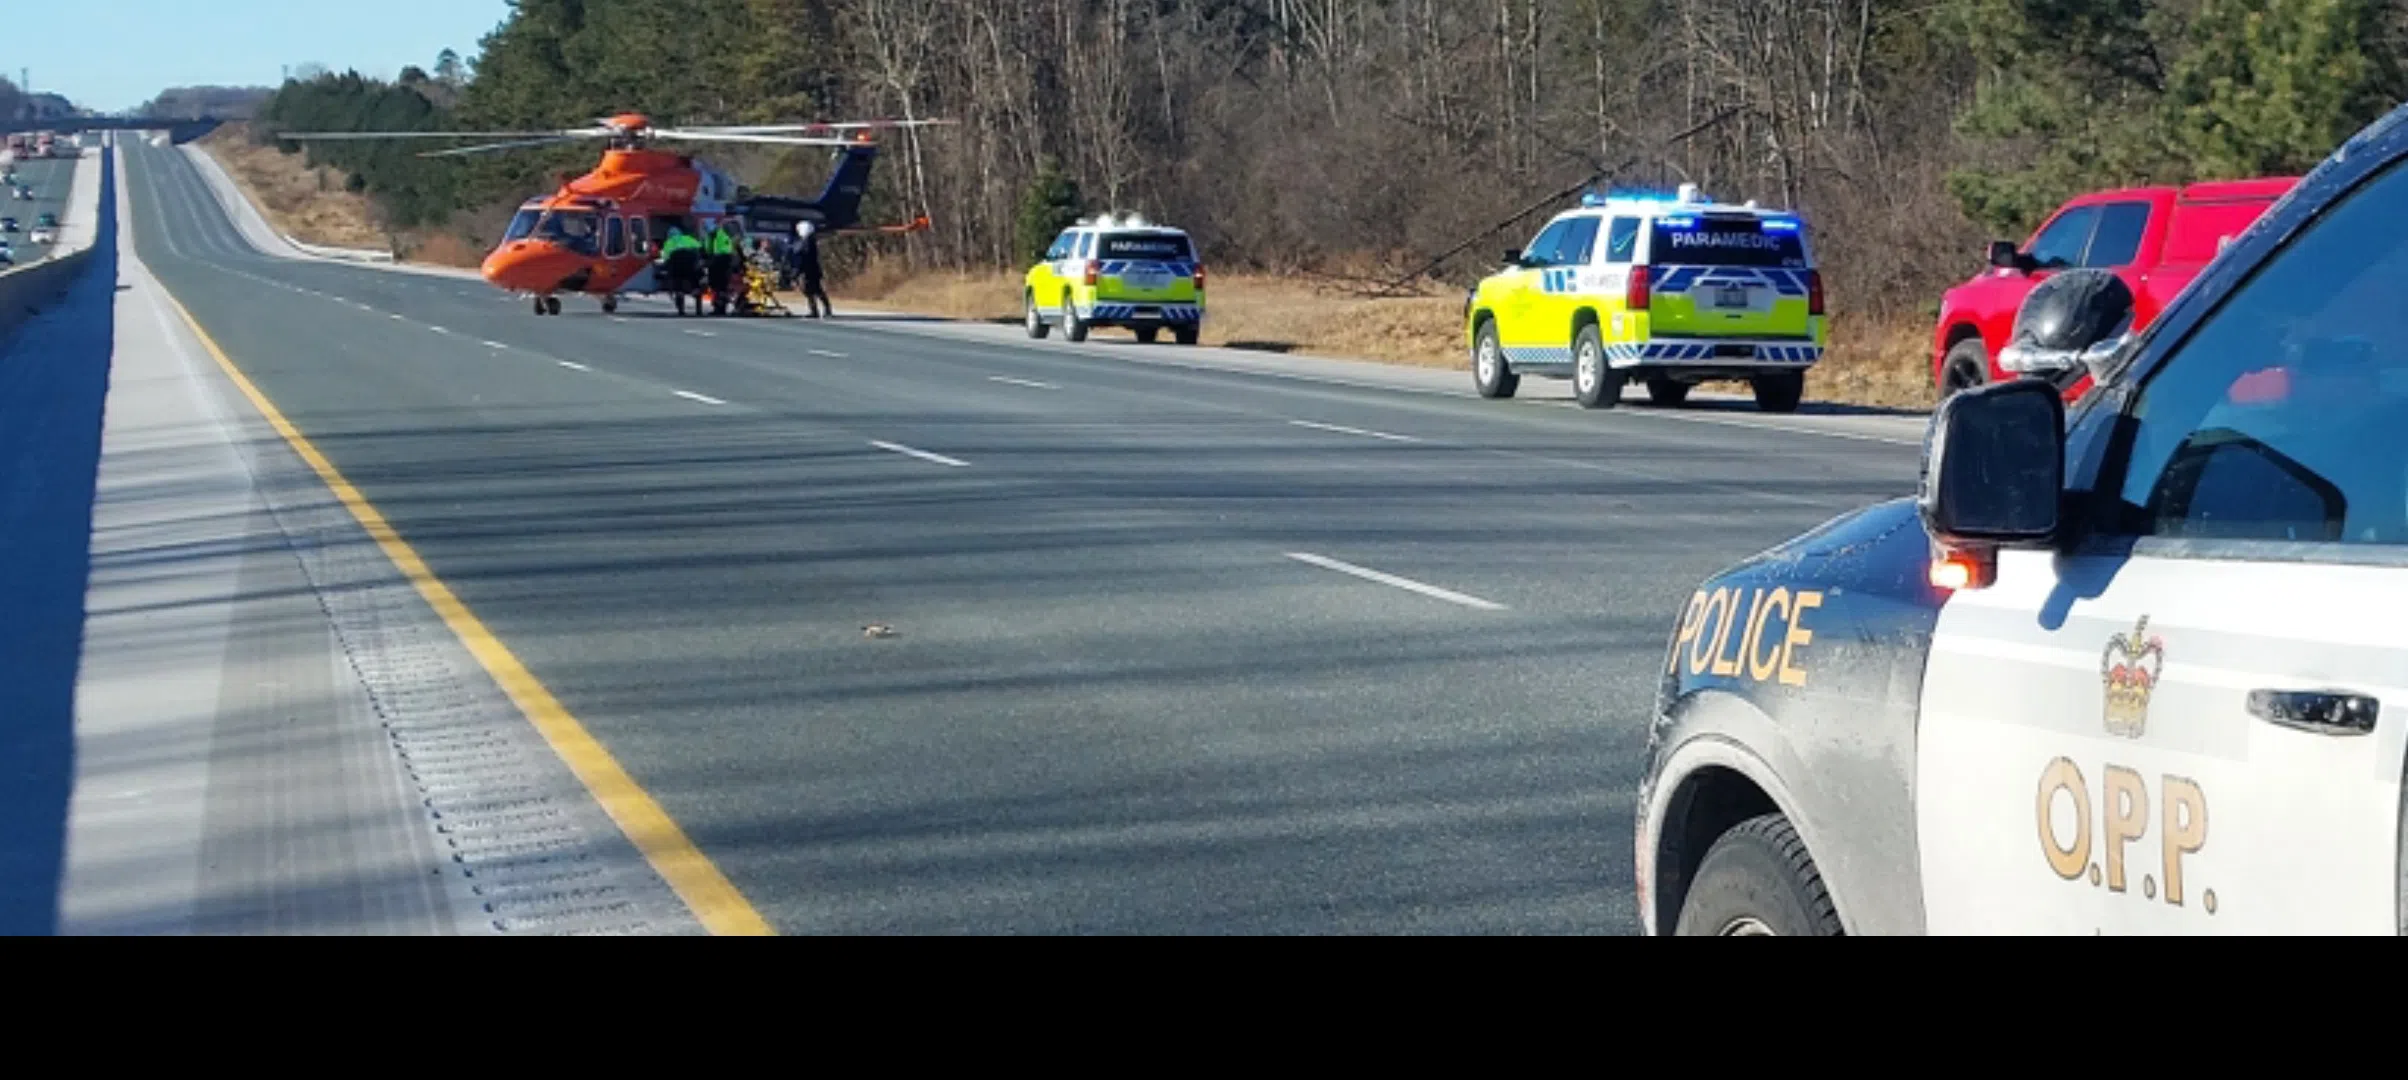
(1872,365)
(306,204)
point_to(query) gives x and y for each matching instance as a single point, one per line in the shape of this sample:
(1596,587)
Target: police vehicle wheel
(1147,335)
(1036,320)
(1780,393)
(1667,392)
(1185,335)
(1758,881)
(1596,385)
(1966,367)
(1489,373)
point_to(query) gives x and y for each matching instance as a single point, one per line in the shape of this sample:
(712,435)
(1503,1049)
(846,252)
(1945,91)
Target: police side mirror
(1994,468)
(1513,257)
(2004,256)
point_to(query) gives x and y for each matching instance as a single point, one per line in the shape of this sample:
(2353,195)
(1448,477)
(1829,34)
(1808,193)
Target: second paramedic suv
(1667,292)
(1127,273)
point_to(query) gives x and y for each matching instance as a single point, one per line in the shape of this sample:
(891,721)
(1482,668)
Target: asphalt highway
(1172,650)
(49,178)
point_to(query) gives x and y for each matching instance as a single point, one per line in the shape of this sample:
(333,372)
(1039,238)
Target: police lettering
(2121,817)
(1753,634)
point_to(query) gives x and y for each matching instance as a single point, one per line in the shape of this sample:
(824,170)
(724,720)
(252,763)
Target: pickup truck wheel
(1758,881)
(1490,374)
(1669,393)
(1780,393)
(1967,366)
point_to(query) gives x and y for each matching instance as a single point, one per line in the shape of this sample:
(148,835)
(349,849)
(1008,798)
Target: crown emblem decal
(2129,670)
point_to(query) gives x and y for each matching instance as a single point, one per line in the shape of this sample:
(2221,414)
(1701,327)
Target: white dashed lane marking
(706,399)
(920,454)
(1353,431)
(1406,584)
(1022,382)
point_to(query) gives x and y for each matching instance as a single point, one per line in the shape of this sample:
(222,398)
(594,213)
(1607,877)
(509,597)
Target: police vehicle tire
(1594,382)
(1758,881)
(1034,319)
(1490,374)
(1146,335)
(1967,367)
(1185,335)
(1780,393)
(1668,393)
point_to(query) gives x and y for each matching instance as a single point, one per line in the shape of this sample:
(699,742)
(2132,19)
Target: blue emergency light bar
(1678,221)
(1781,225)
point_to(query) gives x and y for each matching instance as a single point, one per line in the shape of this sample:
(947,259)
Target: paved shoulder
(273,732)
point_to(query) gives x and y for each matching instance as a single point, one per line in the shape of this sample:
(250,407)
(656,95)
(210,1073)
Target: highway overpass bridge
(180,131)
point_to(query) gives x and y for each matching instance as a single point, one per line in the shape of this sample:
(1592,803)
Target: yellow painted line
(698,882)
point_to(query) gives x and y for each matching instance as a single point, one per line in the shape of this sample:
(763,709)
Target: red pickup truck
(2155,238)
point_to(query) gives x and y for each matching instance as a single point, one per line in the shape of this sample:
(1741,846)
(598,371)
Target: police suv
(2133,665)
(1668,292)
(1123,273)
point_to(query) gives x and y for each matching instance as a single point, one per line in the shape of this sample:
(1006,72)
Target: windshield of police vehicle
(1161,247)
(1731,241)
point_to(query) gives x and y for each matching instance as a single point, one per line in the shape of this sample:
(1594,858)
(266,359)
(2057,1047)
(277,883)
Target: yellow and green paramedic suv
(1665,291)
(1117,273)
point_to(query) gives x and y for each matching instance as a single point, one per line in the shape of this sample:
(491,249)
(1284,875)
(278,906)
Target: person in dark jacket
(806,258)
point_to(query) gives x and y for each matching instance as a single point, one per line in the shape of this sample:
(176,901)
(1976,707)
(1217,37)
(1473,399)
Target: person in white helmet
(806,259)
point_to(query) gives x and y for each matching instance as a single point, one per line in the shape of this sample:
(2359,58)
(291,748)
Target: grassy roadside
(1873,364)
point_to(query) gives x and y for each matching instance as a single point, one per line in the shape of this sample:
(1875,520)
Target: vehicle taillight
(1637,298)
(1094,270)
(1814,292)
(1199,277)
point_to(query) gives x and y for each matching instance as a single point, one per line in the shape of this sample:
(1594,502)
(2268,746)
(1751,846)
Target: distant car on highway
(2156,239)
(43,236)
(46,220)
(2120,666)
(8,224)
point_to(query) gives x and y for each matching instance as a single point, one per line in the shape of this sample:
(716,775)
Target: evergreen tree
(1050,204)
(2269,87)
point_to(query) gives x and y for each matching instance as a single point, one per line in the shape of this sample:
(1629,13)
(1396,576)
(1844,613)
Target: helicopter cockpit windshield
(576,230)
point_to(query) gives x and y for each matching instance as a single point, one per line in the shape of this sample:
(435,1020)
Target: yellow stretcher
(760,295)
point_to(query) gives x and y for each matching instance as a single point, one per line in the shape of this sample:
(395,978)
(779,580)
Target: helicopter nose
(518,263)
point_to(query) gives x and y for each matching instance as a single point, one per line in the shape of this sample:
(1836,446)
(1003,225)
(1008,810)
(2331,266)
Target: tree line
(1365,138)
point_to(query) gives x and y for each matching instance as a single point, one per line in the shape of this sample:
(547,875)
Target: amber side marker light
(1960,570)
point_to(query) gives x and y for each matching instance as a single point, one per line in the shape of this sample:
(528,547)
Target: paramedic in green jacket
(721,259)
(681,267)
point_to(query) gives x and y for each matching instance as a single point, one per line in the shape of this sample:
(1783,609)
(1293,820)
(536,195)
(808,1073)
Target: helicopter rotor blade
(747,137)
(331,135)
(488,148)
(775,129)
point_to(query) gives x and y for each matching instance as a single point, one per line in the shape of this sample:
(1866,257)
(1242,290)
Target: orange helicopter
(600,233)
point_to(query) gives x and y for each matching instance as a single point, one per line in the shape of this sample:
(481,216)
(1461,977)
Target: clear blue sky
(116,54)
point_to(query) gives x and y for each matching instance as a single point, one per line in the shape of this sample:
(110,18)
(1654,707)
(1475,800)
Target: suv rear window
(1723,241)
(1145,246)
